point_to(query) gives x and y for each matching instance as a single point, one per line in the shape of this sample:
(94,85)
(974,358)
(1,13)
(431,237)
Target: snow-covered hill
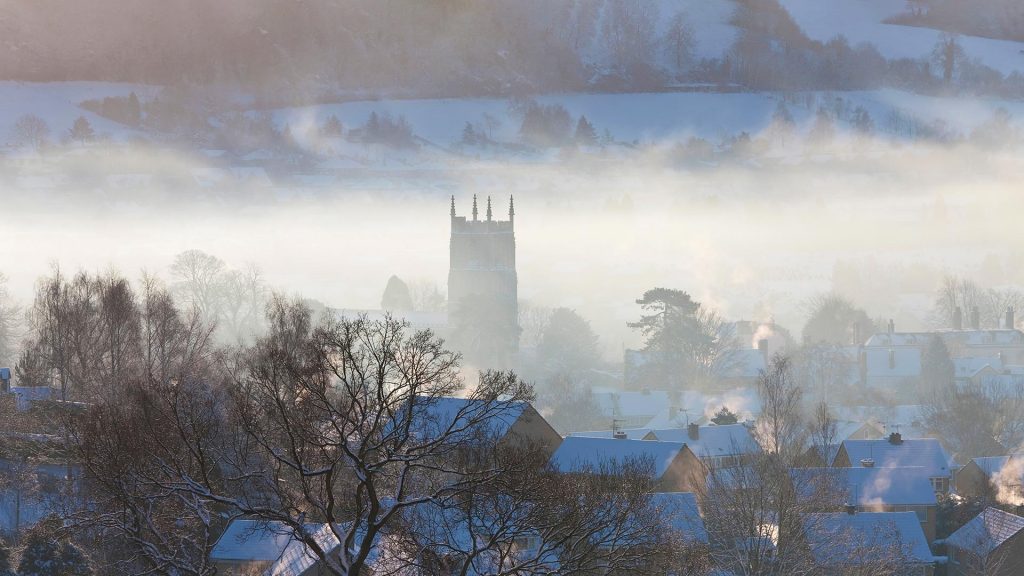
(863,21)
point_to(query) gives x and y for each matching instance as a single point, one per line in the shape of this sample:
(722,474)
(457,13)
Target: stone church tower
(482,283)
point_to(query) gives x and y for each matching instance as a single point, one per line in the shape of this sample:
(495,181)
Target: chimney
(975,319)
(5,380)
(958,319)
(851,509)
(867,462)
(895,439)
(1009,318)
(693,431)
(619,435)
(892,326)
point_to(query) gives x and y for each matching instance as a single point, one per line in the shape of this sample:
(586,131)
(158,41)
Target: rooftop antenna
(511,209)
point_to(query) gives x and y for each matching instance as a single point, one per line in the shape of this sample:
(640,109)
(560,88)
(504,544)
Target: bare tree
(780,428)
(679,42)
(31,131)
(824,434)
(9,325)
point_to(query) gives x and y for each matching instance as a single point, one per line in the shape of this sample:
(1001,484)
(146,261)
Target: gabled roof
(838,538)
(986,531)
(992,465)
(579,454)
(679,511)
(869,487)
(459,418)
(1000,337)
(970,366)
(713,440)
(252,541)
(927,453)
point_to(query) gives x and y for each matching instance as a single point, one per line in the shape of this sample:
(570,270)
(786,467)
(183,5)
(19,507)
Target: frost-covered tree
(586,135)
(47,553)
(6,569)
(679,42)
(31,131)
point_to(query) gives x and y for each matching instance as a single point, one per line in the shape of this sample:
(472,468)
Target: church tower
(482,283)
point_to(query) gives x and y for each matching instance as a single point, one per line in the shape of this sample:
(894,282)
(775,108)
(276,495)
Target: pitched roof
(459,418)
(580,454)
(991,465)
(698,408)
(838,538)
(986,531)
(927,453)
(679,511)
(869,487)
(713,440)
(252,541)
(631,433)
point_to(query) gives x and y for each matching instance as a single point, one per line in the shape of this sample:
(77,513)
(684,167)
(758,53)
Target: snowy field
(864,21)
(58,104)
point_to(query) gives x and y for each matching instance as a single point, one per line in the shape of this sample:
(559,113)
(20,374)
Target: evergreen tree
(469,135)
(938,374)
(47,554)
(725,416)
(396,295)
(332,127)
(134,110)
(586,135)
(81,131)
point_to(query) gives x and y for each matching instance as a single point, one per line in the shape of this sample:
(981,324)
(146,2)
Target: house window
(940,484)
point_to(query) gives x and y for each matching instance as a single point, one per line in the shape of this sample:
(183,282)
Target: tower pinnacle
(511,209)
(474,208)
(489,209)
(453,206)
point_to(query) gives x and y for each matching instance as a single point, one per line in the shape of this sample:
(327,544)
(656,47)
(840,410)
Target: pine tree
(469,136)
(332,127)
(134,111)
(81,131)
(586,135)
(938,373)
(39,557)
(725,416)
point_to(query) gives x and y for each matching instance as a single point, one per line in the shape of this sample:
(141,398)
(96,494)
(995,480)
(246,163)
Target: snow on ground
(863,21)
(58,104)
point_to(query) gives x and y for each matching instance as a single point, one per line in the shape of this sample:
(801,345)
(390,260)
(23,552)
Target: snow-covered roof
(252,541)
(713,440)
(970,366)
(631,433)
(839,538)
(926,453)
(679,510)
(459,418)
(867,487)
(579,454)
(992,465)
(986,531)
(973,338)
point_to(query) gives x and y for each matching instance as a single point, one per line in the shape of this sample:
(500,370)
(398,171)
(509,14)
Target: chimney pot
(867,462)
(851,509)
(619,435)
(895,439)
